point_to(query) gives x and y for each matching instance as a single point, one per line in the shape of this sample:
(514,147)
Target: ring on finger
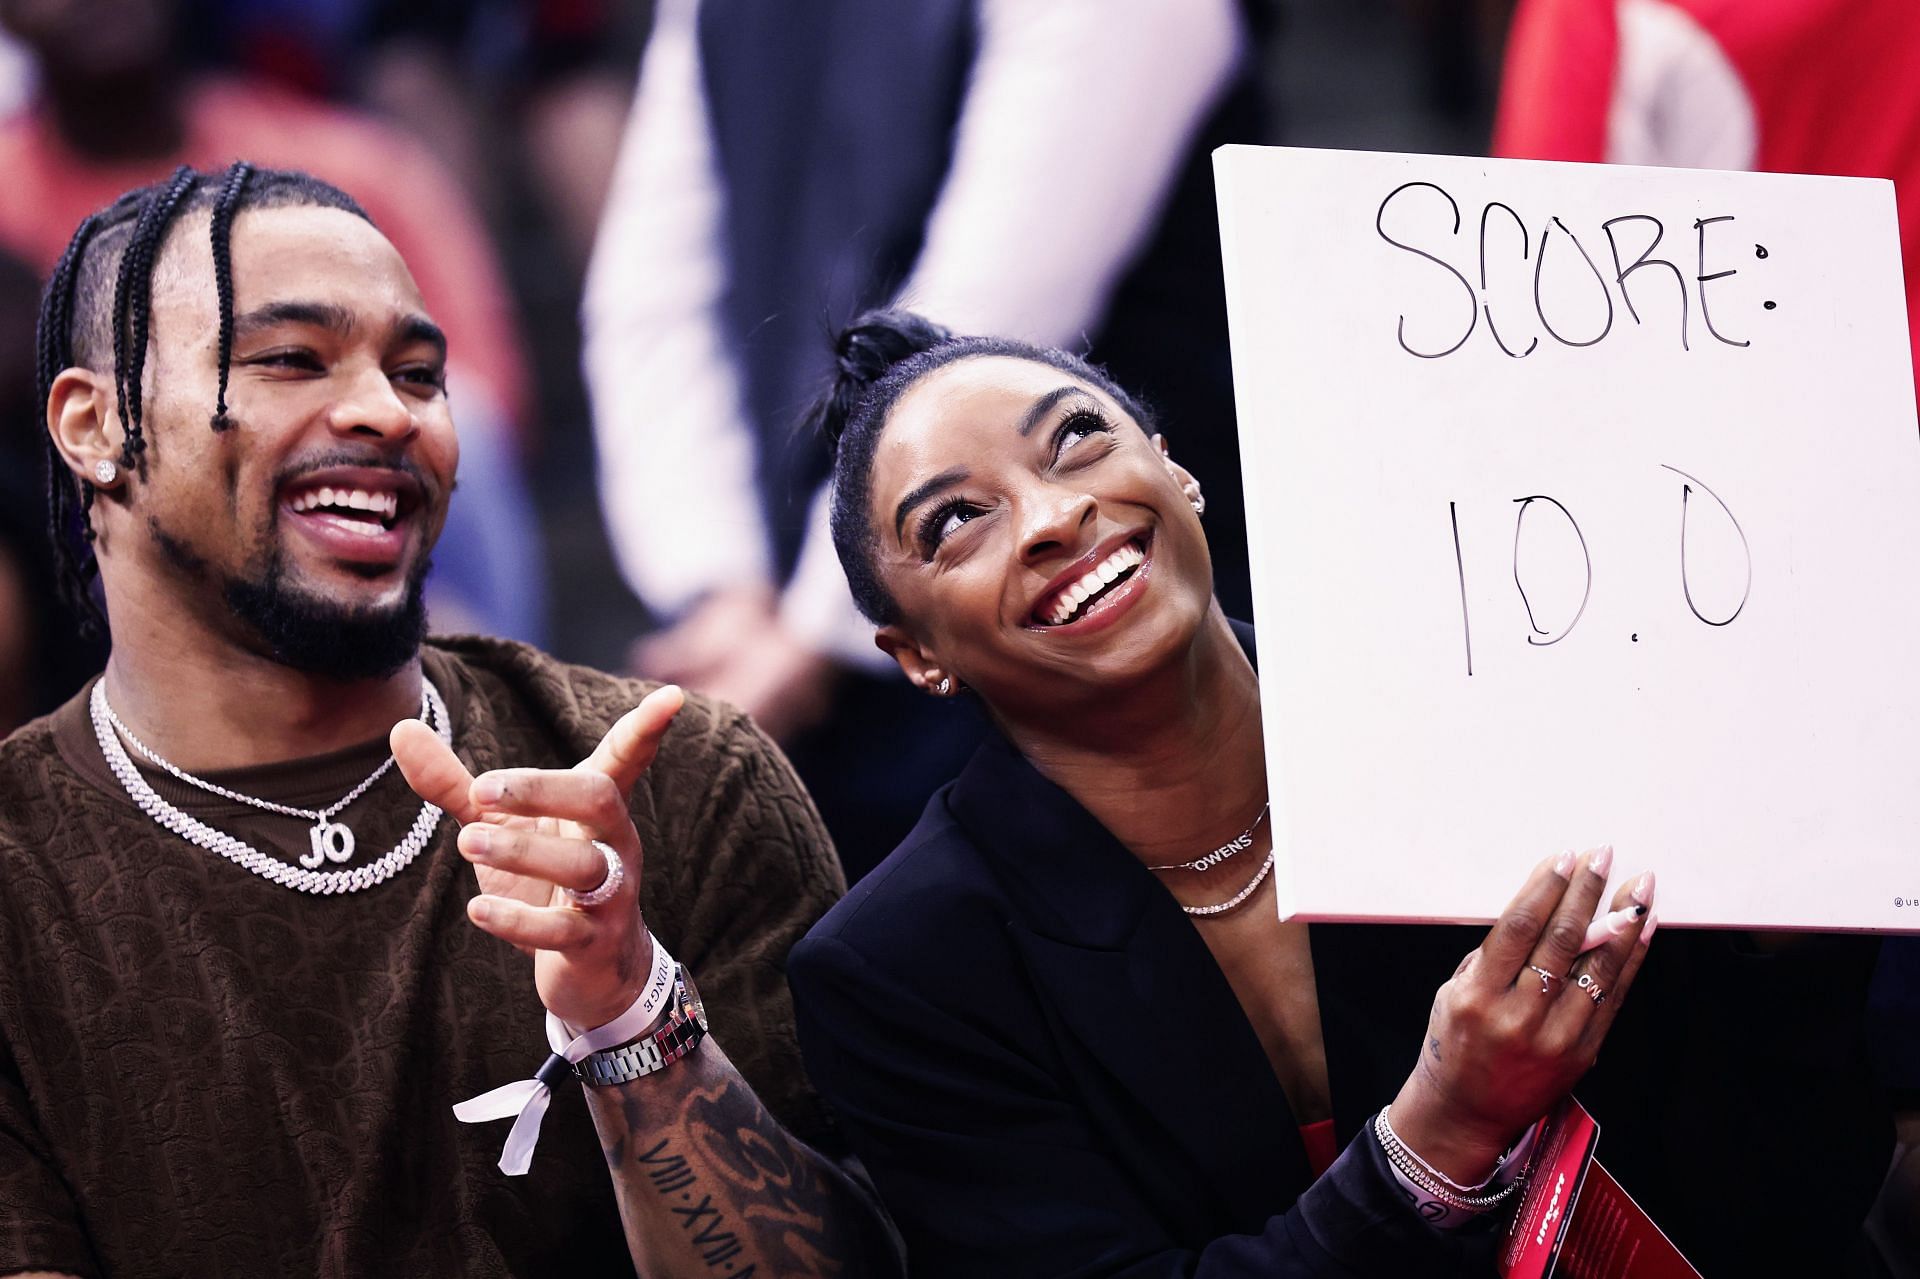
(616,875)
(1546,978)
(1595,991)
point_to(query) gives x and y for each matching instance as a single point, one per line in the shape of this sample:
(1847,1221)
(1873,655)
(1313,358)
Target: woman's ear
(81,421)
(1182,477)
(921,667)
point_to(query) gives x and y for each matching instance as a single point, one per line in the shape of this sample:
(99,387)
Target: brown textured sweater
(203,1073)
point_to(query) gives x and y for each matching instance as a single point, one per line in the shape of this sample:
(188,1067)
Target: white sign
(1585,508)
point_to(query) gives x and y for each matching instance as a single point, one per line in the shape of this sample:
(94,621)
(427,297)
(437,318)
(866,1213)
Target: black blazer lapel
(1140,1006)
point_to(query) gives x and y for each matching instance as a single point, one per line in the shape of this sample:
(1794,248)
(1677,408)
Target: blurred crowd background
(640,273)
(640,221)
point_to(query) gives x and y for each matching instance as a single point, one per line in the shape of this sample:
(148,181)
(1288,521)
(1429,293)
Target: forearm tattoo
(709,1183)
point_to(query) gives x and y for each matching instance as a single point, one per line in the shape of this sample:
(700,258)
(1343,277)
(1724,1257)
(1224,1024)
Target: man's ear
(1181,475)
(922,668)
(84,427)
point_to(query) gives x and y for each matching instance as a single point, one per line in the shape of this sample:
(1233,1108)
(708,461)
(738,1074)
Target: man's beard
(312,633)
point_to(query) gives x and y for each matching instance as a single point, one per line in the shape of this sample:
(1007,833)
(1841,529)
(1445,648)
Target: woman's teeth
(1068,604)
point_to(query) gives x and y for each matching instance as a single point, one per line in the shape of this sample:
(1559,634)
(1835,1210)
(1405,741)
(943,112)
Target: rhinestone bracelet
(1432,1180)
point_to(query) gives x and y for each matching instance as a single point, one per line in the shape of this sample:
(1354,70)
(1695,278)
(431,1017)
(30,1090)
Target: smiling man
(246,973)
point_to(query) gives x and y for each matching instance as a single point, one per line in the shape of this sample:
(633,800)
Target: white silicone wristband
(641,1014)
(526,1100)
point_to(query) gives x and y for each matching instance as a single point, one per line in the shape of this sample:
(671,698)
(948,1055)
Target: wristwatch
(684,1026)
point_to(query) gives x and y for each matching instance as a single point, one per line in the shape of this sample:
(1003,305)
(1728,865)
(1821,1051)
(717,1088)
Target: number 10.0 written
(1538,509)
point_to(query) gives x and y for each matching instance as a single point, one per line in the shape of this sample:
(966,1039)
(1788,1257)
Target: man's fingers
(630,745)
(1518,929)
(521,850)
(582,796)
(532,927)
(593,793)
(433,770)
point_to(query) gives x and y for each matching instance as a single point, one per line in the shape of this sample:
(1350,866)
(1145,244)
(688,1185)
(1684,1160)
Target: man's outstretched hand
(529,833)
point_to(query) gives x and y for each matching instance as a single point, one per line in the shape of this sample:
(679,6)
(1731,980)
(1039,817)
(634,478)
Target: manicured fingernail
(488,790)
(1563,864)
(1601,861)
(1610,926)
(1643,890)
(1646,934)
(477,839)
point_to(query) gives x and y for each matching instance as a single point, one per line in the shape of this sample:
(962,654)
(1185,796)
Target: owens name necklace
(1243,840)
(329,840)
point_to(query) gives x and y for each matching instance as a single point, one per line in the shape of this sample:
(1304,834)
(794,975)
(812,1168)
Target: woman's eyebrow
(945,480)
(1039,409)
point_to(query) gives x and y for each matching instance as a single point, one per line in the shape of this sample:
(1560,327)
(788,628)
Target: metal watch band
(685,1026)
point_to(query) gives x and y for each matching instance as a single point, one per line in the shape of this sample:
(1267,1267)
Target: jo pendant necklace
(329,840)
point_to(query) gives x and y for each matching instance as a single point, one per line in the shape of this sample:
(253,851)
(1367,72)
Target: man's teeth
(1097,578)
(384,506)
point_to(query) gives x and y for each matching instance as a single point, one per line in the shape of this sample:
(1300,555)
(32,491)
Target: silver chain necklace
(331,841)
(1243,840)
(304,878)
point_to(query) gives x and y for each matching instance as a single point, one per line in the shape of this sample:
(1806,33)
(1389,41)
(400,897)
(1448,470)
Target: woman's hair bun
(864,353)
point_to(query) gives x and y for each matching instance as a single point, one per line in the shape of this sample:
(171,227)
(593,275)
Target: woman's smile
(1096,589)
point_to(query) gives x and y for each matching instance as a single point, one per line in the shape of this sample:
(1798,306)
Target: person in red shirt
(1783,86)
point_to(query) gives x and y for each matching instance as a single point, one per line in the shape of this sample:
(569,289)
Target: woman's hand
(1504,1042)
(529,833)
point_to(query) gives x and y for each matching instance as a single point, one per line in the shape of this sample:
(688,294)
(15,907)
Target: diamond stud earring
(946,685)
(1199,503)
(105,471)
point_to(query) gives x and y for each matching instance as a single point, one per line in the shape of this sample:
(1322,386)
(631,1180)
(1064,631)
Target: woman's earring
(106,472)
(1199,501)
(946,685)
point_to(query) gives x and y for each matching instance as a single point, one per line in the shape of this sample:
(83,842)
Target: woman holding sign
(1063,1025)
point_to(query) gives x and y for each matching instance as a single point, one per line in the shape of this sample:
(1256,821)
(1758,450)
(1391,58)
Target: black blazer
(1046,1073)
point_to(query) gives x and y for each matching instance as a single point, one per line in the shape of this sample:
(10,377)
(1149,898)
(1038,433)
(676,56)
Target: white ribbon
(527,1099)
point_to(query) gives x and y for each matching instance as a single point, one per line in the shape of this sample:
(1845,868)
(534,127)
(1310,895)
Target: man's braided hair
(98,305)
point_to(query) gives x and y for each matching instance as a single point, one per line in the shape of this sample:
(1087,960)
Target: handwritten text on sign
(1643,234)
(1586,507)
(1686,286)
